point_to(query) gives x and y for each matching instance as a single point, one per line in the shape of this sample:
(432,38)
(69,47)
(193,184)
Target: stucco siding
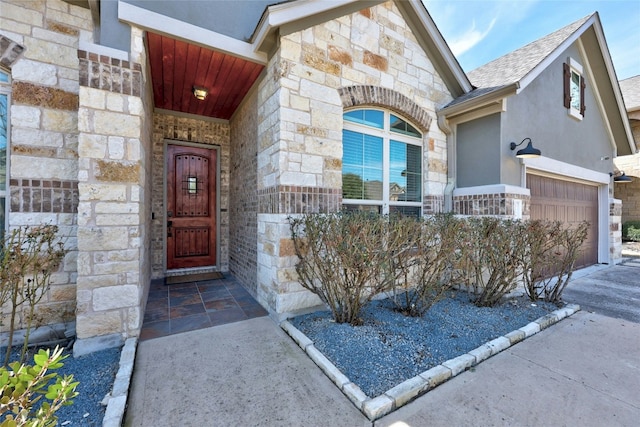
(478,152)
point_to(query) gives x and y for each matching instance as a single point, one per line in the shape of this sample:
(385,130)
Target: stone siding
(615,231)
(168,128)
(114,152)
(368,58)
(629,194)
(38,45)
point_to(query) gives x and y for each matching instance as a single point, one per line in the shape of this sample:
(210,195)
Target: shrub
(424,272)
(29,256)
(568,242)
(490,258)
(344,258)
(30,396)
(631,231)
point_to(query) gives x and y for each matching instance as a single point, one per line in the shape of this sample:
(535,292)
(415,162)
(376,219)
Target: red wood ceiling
(177,66)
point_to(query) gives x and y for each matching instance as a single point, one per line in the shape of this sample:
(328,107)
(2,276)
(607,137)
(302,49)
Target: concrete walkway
(583,371)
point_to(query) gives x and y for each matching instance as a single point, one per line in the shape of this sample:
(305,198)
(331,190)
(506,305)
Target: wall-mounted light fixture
(620,177)
(528,152)
(200,92)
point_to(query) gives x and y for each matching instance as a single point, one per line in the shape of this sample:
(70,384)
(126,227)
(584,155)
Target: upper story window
(5,89)
(381,163)
(574,85)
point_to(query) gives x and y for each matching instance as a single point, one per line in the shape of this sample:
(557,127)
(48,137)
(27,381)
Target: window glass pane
(361,166)
(3,141)
(398,125)
(4,77)
(575,90)
(405,172)
(373,118)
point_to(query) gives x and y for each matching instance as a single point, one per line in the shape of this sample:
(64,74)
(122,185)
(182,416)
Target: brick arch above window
(354,96)
(10,51)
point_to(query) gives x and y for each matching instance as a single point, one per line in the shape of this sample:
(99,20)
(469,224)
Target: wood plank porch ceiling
(177,66)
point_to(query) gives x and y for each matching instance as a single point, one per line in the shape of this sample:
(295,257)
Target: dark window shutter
(567,88)
(582,86)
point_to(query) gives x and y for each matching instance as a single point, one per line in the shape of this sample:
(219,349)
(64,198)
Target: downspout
(444,126)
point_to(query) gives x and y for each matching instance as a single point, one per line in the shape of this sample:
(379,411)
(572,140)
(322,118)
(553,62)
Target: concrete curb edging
(405,392)
(117,398)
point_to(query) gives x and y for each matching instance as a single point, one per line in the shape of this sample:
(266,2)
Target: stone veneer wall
(615,228)
(38,44)
(629,194)
(366,58)
(114,151)
(243,199)
(167,128)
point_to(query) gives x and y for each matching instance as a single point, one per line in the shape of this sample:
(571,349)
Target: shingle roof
(515,65)
(630,89)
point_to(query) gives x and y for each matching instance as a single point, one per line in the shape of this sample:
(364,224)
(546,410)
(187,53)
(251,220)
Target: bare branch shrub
(425,272)
(490,259)
(559,261)
(344,258)
(29,256)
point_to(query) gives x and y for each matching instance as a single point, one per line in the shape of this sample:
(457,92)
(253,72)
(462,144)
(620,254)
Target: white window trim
(387,135)
(575,67)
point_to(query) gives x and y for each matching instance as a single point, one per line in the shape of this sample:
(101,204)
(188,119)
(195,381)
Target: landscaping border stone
(410,389)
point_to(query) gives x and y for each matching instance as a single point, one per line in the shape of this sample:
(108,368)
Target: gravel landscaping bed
(390,347)
(96,373)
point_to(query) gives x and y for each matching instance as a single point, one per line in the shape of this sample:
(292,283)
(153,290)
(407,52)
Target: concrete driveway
(583,371)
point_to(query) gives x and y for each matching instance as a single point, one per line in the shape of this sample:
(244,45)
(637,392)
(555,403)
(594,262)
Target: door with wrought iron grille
(191,207)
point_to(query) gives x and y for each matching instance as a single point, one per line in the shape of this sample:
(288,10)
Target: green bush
(631,231)
(30,395)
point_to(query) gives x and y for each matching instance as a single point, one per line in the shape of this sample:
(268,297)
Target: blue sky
(479,31)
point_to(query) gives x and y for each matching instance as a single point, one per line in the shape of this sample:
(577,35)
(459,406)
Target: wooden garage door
(570,203)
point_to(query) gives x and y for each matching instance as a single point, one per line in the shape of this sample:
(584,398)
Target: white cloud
(469,38)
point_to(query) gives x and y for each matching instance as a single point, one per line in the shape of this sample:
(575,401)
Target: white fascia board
(546,62)
(171,27)
(562,169)
(285,13)
(491,189)
(103,50)
(428,24)
(614,83)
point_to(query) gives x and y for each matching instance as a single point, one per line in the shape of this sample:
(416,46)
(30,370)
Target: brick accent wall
(293,199)
(49,196)
(168,128)
(500,204)
(10,51)
(354,96)
(110,74)
(243,197)
(629,194)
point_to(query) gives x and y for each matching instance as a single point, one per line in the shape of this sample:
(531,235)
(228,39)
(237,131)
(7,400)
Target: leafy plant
(29,256)
(31,395)
(631,231)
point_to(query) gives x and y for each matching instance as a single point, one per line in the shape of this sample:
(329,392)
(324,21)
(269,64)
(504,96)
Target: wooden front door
(191,207)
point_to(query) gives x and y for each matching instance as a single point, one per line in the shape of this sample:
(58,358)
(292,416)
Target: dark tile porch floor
(183,307)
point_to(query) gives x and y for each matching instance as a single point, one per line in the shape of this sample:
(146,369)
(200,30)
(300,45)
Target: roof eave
(479,101)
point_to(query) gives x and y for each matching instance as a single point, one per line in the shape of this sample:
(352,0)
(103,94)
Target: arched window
(381,163)
(5,88)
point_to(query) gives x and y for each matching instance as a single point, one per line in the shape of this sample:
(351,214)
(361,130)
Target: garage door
(568,202)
